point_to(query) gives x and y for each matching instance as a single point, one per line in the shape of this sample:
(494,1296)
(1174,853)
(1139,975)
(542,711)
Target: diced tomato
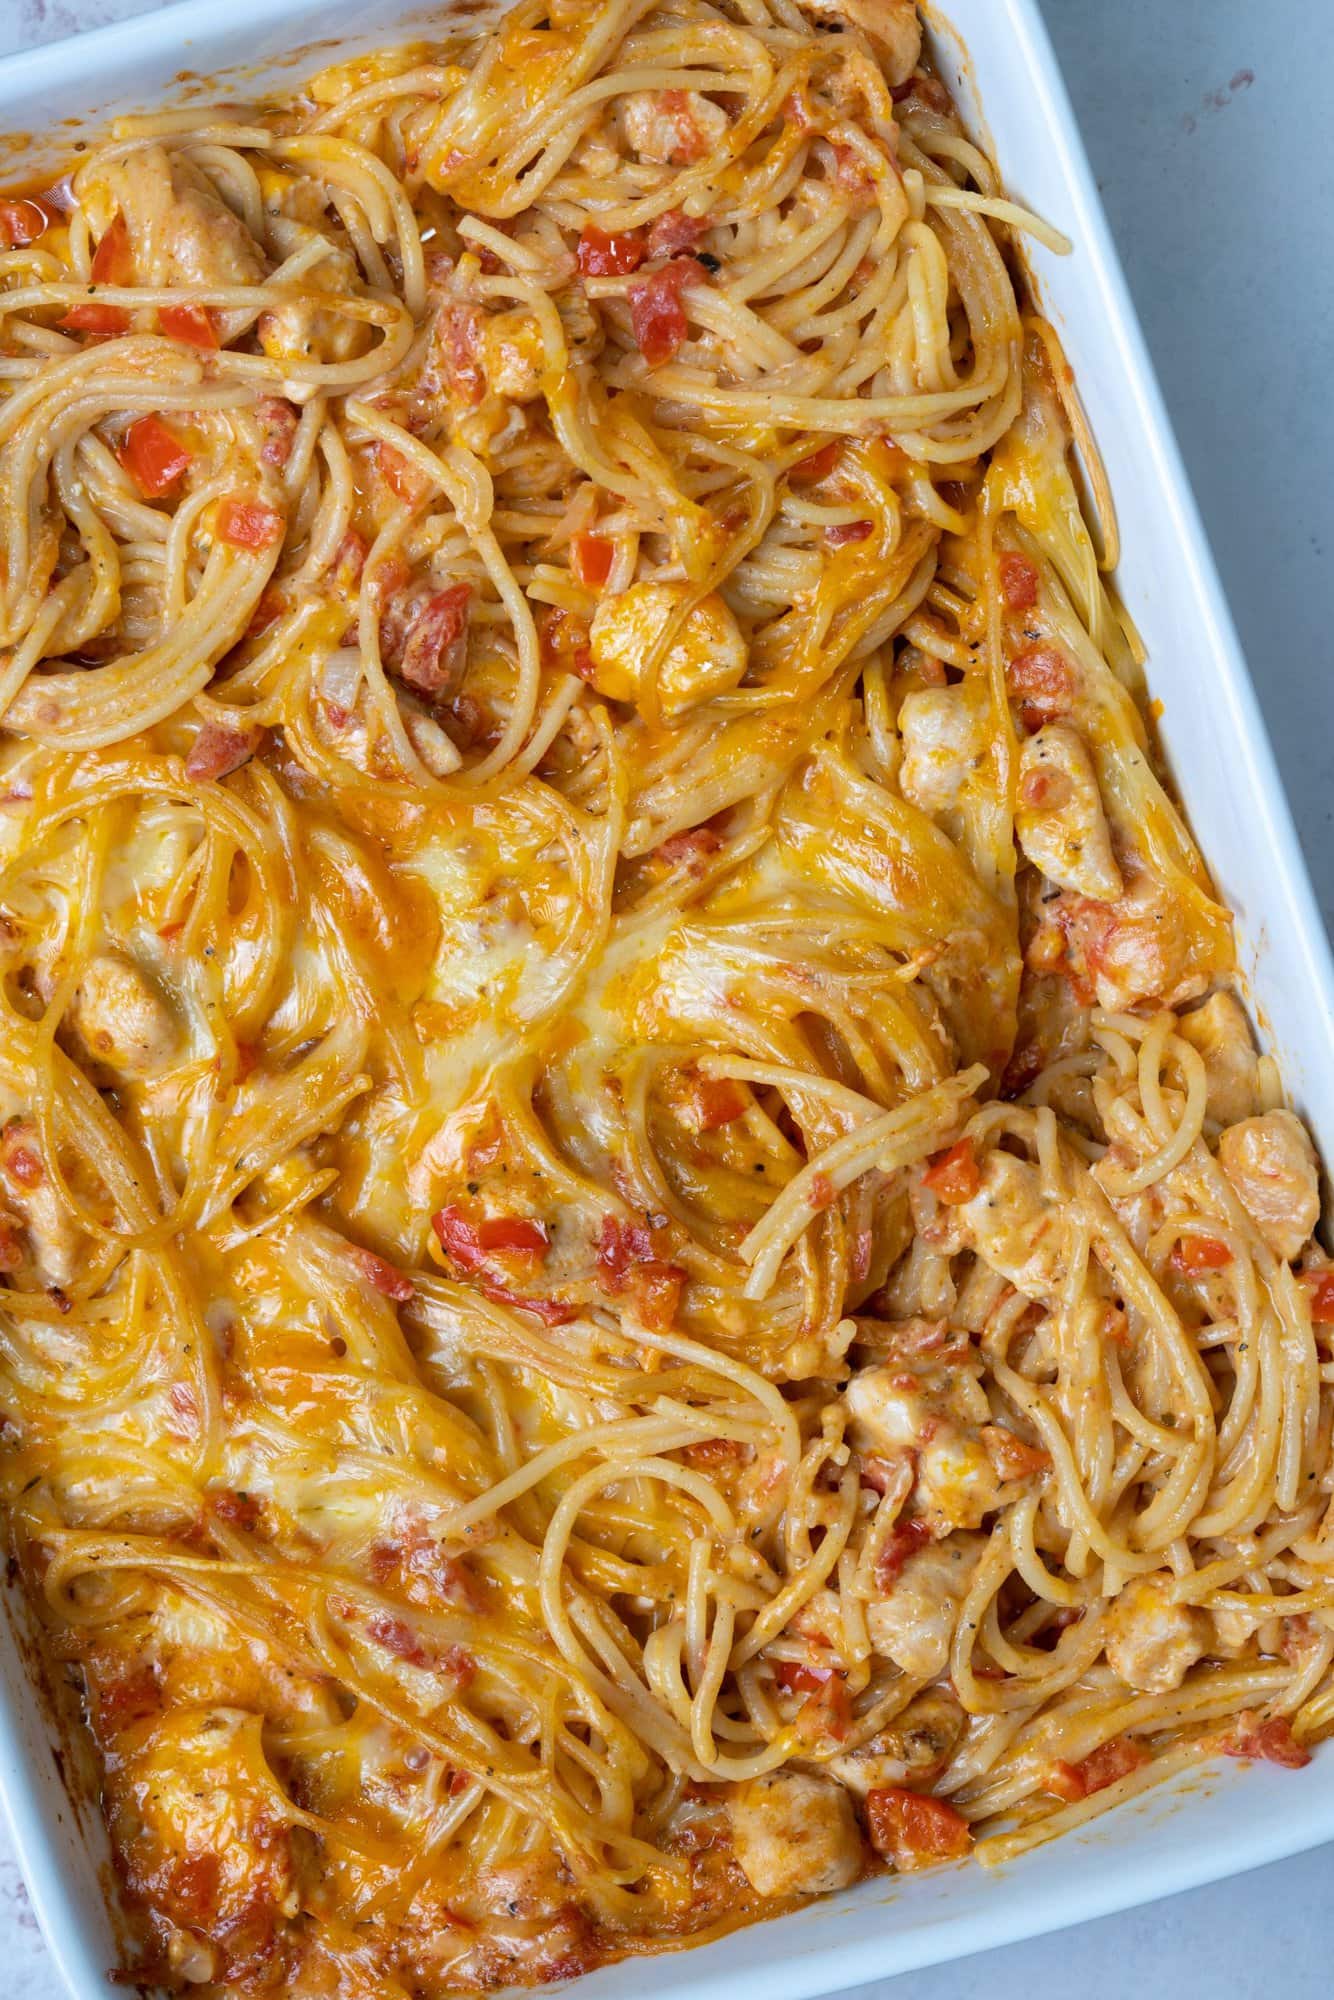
(221,748)
(622,1245)
(514,1235)
(194,325)
(22,222)
(400,475)
(953,1176)
(459,1782)
(1012,1458)
(591,559)
(1319,1286)
(462,331)
(1195,1254)
(1270,1739)
(903,1541)
(351,558)
(279,419)
(810,471)
(823,1193)
(827,1712)
(1102,1767)
(693,845)
(436,641)
(675,231)
(397,1637)
(249,524)
(799,1677)
(600,255)
(564,641)
(383,1276)
(691,143)
(470,1244)
(113,259)
(555,1312)
(848,531)
(238,1510)
(1018,581)
(913,1830)
(657,316)
(102,322)
(1042,682)
(628,1261)
(715,1101)
(153,456)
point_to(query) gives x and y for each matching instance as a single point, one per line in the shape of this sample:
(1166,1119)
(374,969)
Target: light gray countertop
(1207,123)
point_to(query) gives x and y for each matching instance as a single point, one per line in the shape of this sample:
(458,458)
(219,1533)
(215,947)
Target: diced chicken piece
(1152,1642)
(1222,1034)
(199,1828)
(914,1625)
(892,27)
(1271,1163)
(894,1412)
(1059,817)
(706,656)
(120,1018)
(914,1749)
(301,329)
(1233,1631)
(671,127)
(944,736)
(53,1238)
(180,228)
(1144,946)
(512,355)
(795,1834)
(1011,1226)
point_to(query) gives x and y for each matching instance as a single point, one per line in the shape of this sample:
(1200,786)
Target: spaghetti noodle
(647,1262)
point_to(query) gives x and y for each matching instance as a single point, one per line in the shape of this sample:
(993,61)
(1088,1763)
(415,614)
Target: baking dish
(1226,1819)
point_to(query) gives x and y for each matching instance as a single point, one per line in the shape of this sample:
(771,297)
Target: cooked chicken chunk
(180,228)
(944,736)
(671,126)
(896,1411)
(1152,1642)
(1011,1226)
(192,1817)
(1272,1165)
(1059,817)
(1144,946)
(120,1018)
(705,657)
(795,1834)
(1222,1034)
(300,329)
(912,1750)
(52,1238)
(512,355)
(914,1624)
(892,26)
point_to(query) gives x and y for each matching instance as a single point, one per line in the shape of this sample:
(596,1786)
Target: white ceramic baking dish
(1228,1818)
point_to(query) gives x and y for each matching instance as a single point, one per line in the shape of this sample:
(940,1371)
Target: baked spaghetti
(647,1261)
